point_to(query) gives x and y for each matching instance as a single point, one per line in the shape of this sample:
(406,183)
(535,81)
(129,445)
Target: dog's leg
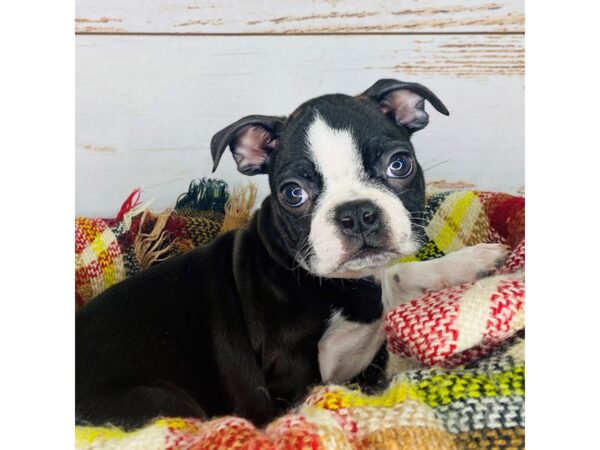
(348,347)
(135,406)
(405,281)
(373,379)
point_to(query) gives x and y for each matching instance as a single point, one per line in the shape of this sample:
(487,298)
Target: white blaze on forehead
(334,153)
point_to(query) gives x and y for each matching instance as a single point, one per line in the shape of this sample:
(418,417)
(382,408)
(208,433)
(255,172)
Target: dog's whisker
(438,164)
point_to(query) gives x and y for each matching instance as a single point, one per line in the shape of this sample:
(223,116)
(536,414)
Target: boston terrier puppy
(248,323)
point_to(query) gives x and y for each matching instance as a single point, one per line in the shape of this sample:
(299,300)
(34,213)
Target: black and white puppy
(246,324)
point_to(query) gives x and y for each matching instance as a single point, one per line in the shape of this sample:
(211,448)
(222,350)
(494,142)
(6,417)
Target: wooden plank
(298,17)
(147,106)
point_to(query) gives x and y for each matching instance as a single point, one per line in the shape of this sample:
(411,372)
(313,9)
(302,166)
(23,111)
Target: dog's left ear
(404,102)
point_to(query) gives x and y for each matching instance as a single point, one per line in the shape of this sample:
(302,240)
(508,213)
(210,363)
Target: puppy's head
(347,190)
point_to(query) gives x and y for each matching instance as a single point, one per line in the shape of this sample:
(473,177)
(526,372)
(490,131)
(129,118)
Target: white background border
(562,173)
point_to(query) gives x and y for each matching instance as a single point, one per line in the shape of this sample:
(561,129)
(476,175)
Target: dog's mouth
(367,257)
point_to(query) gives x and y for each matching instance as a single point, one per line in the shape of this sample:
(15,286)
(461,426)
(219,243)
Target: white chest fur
(347,348)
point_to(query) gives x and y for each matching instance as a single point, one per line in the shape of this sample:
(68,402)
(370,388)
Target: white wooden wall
(155,79)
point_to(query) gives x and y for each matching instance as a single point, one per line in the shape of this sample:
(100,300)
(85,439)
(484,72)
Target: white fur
(337,158)
(347,348)
(462,266)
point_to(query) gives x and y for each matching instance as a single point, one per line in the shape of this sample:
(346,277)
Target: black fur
(233,327)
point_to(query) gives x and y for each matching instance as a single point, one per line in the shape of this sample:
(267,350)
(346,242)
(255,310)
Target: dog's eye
(293,195)
(400,166)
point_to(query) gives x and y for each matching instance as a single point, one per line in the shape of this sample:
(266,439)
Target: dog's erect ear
(251,140)
(404,102)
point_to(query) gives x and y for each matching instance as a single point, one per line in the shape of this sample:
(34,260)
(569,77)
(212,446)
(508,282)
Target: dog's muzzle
(366,238)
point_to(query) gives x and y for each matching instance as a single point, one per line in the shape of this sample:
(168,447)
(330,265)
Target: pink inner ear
(405,106)
(252,147)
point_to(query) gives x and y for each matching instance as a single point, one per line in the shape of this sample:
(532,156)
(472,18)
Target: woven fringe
(238,207)
(133,212)
(131,207)
(152,247)
(204,194)
(130,203)
(183,245)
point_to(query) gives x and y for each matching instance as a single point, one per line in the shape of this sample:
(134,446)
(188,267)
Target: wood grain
(299,17)
(147,106)
(459,56)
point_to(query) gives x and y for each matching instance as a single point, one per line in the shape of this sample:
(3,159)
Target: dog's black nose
(358,217)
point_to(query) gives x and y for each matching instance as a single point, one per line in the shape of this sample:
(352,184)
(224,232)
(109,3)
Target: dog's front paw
(491,257)
(406,281)
(475,262)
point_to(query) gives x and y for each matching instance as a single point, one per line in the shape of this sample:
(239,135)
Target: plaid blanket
(457,355)
(108,250)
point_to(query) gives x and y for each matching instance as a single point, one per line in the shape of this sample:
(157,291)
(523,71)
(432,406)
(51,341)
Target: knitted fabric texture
(99,261)
(108,250)
(478,407)
(457,360)
(457,324)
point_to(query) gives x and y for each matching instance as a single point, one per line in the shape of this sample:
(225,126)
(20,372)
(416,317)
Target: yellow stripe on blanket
(152,436)
(336,397)
(444,225)
(439,389)
(446,388)
(458,222)
(88,435)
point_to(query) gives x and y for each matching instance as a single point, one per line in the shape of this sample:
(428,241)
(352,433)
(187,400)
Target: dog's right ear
(251,139)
